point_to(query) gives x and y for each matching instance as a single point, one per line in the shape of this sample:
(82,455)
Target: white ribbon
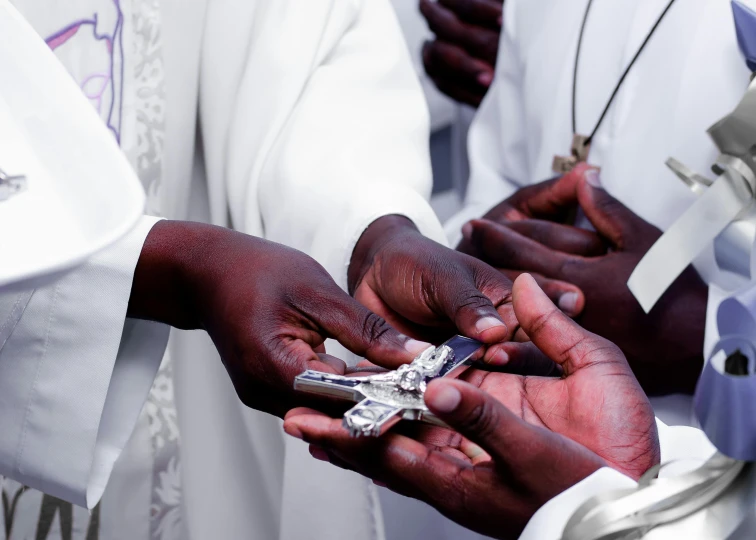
(719,205)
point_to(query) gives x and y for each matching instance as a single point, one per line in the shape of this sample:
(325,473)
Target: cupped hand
(664,347)
(268,308)
(520,441)
(426,290)
(462,57)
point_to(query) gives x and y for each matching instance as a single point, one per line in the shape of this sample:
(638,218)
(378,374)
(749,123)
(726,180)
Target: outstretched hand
(268,308)
(520,441)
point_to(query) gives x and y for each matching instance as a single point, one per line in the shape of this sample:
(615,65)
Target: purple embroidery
(97,85)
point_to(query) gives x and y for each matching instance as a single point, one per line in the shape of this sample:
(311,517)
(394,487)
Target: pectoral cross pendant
(579,154)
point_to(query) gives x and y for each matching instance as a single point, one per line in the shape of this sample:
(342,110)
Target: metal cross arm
(386,398)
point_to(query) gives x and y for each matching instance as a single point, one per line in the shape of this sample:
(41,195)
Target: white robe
(298,120)
(690,75)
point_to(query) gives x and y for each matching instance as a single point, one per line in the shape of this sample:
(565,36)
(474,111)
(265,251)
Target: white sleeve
(74,374)
(356,146)
(328,130)
(497,144)
(677,443)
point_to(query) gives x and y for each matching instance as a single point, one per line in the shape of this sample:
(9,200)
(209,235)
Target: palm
(597,406)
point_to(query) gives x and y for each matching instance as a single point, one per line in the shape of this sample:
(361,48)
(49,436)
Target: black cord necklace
(580,143)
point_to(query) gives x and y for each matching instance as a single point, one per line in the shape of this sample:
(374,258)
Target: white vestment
(298,120)
(689,76)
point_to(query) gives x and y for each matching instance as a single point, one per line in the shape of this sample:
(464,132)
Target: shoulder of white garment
(676,442)
(75,173)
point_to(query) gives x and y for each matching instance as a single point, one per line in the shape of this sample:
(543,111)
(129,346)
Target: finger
(568,297)
(479,301)
(560,237)
(551,199)
(502,247)
(612,219)
(406,466)
(482,419)
(480,42)
(486,13)
(522,359)
(447,62)
(472,96)
(558,336)
(363,332)
(333,364)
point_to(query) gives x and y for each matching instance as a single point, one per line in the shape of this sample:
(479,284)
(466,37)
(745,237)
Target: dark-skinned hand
(663,347)
(268,308)
(521,440)
(527,211)
(462,57)
(426,290)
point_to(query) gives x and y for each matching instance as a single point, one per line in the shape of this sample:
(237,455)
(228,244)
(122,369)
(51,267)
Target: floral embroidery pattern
(103,87)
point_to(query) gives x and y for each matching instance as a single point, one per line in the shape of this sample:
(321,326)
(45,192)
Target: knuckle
(374,329)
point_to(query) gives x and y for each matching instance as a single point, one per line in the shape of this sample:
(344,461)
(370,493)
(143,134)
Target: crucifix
(386,398)
(581,145)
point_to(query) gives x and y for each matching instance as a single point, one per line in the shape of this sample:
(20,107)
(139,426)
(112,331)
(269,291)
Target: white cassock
(298,120)
(689,76)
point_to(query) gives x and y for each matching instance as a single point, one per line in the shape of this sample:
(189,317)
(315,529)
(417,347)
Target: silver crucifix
(387,398)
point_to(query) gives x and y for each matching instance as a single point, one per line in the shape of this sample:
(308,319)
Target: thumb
(551,199)
(611,218)
(556,335)
(480,304)
(482,419)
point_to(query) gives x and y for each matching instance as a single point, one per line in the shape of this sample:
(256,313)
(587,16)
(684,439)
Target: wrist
(373,240)
(173,267)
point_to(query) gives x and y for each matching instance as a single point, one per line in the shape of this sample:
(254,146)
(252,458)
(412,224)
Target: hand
(462,58)
(268,308)
(663,347)
(529,211)
(427,290)
(526,439)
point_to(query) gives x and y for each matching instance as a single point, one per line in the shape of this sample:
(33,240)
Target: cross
(578,154)
(386,398)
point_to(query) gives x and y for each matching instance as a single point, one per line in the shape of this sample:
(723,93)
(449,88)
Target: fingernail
(293,430)
(319,454)
(416,347)
(485,78)
(568,302)
(467,231)
(486,323)
(593,178)
(474,451)
(499,358)
(380,484)
(445,400)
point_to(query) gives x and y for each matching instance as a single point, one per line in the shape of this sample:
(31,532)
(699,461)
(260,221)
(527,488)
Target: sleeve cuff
(366,205)
(677,443)
(549,522)
(73,376)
